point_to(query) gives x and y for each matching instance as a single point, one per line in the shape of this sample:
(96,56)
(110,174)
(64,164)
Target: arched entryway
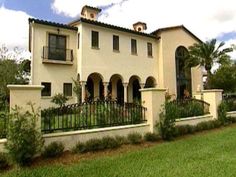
(94,87)
(150,82)
(134,94)
(183,74)
(116,88)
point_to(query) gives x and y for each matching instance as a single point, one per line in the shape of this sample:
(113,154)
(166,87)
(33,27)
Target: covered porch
(116,88)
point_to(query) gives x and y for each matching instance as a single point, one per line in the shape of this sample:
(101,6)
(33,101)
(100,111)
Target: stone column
(105,84)
(83,90)
(214,98)
(153,99)
(125,85)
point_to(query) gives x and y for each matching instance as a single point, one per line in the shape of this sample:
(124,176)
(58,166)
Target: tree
(224,78)
(14,70)
(208,53)
(59,99)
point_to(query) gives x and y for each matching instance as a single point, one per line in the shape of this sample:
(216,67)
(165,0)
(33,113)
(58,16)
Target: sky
(207,19)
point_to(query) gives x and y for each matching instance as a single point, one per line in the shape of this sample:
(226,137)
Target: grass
(210,154)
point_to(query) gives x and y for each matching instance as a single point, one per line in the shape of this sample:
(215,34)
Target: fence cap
(212,90)
(25,87)
(153,89)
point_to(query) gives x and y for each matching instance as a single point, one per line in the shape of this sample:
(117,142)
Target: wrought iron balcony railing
(60,54)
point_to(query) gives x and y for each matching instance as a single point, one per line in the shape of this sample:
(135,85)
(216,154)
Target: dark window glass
(115,42)
(67,89)
(78,39)
(57,47)
(95,39)
(183,73)
(46,91)
(133,46)
(149,49)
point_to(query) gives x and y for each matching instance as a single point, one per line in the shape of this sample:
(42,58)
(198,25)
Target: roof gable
(177,27)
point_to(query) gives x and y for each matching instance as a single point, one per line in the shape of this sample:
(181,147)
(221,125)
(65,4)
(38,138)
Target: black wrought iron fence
(190,107)
(88,115)
(3,124)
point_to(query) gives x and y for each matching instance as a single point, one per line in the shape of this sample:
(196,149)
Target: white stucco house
(109,60)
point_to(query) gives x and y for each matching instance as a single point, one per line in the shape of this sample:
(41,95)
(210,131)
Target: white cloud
(14,29)
(206,19)
(72,8)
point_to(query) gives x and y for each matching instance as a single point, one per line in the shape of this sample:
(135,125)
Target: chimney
(140,26)
(90,13)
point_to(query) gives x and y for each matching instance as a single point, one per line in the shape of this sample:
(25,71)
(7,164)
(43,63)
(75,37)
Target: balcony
(57,55)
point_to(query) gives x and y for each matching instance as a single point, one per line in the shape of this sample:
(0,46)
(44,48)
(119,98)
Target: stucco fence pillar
(153,99)
(22,95)
(214,98)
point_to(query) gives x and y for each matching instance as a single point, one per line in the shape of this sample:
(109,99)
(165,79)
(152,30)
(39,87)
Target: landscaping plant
(59,99)
(152,137)
(24,140)
(135,138)
(166,126)
(55,149)
(3,161)
(222,110)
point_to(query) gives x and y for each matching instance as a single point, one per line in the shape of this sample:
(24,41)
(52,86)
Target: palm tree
(208,53)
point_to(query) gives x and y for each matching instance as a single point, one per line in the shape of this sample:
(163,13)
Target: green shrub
(207,125)
(134,138)
(94,145)
(184,129)
(110,143)
(55,149)
(190,108)
(79,148)
(232,119)
(217,123)
(166,126)
(222,110)
(3,161)
(59,99)
(24,141)
(151,137)
(121,140)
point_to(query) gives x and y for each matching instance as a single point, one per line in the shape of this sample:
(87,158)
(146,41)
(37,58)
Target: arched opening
(183,74)
(94,87)
(133,89)
(90,88)
(136,92)
(150,82)
(116,88)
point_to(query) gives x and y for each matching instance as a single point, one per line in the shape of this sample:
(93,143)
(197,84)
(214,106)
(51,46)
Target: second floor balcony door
(57,47)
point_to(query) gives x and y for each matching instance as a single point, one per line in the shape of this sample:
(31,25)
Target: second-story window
(115,43)
(57,47)
(95,39)
(149,49)
(133,46)
(78,40)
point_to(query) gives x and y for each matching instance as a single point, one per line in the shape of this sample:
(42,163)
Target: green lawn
(203,155)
